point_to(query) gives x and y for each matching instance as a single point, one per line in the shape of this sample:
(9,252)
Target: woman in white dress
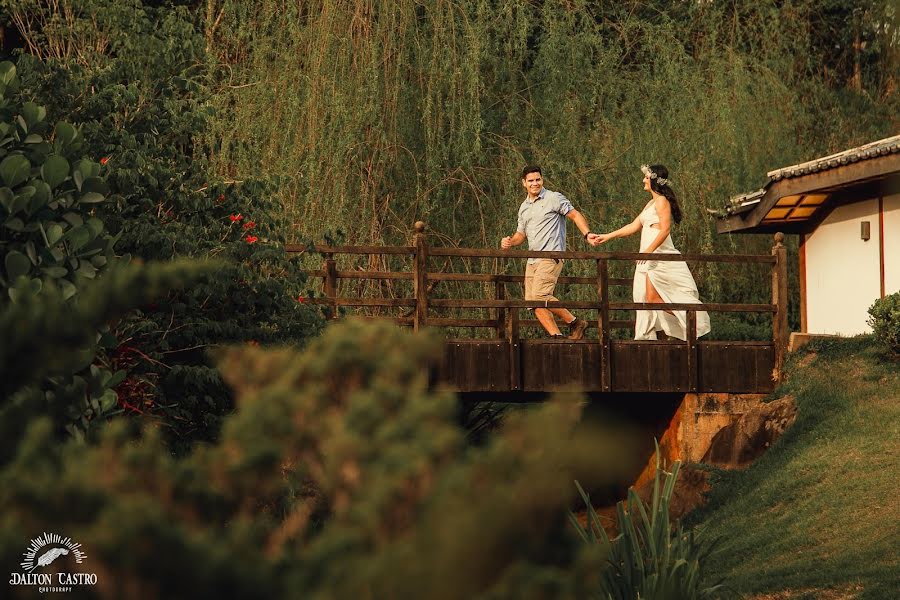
(659,281)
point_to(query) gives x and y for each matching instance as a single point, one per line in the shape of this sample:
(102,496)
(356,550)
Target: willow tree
(376,113)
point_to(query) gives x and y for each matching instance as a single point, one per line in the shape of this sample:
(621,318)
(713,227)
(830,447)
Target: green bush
(51,234)
(340,475)
(140,104)
(650,558)
(884,318)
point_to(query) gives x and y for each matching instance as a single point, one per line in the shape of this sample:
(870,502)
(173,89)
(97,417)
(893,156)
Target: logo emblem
(48,550)
(45,558)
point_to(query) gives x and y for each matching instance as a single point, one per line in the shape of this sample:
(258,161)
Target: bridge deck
(635,366)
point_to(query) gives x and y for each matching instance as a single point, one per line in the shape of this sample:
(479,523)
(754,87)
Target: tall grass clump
(651,558)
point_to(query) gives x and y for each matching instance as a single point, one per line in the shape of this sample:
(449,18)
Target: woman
(659,281)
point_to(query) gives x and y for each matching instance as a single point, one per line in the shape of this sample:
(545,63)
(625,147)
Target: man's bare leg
(545,316)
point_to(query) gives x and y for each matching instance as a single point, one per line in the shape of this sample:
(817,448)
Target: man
(542,221)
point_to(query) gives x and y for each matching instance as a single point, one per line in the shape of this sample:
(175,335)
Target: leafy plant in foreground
(51,235)
(650,559)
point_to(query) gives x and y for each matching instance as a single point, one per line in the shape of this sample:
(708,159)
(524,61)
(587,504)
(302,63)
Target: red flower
(236,218)
(301,299)
(251,239)
(220,199)
(104,160)
(249,224)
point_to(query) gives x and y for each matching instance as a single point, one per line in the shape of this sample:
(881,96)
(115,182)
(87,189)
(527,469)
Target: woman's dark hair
(665,190)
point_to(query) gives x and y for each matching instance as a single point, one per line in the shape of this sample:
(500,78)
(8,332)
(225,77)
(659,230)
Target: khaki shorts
(540,279)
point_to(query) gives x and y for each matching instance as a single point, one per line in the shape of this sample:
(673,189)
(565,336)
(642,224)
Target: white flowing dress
(672,280)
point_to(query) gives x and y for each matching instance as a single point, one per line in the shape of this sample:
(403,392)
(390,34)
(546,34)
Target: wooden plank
(300,249)
(780,329)
(514,349)
(736,367)
(623,324)
(491,303)
(692,354)
(362,301)
(449,322)
(603,327)
(648,366)
(329,285)
(500,294)
(503,278)
(583,255)
(420,281)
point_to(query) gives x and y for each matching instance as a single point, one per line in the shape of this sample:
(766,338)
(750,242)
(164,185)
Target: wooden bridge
(500,359)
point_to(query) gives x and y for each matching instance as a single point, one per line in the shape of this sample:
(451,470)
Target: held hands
(595,239)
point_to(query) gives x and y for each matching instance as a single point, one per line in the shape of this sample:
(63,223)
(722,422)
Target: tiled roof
(745,202)
(880,148)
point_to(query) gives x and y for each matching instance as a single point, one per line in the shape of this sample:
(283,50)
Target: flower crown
(649,173)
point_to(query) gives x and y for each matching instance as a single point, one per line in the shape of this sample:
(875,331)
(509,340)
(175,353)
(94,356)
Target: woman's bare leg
(653,296)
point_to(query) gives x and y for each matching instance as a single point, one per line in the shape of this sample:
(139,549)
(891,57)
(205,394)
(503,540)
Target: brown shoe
(577,328)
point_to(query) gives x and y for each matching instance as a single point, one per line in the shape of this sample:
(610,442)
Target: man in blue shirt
(542,221)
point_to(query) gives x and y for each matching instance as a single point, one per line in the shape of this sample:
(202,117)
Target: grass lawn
(818,515)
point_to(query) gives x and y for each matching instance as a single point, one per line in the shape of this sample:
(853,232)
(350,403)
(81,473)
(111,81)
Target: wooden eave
(842,185)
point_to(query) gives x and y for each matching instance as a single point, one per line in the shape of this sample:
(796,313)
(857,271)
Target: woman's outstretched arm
(629,229)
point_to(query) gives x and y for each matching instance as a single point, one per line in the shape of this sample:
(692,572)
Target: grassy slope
(818,515)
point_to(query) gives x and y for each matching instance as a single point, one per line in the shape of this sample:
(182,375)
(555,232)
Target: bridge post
(329,284)
(420,277)
(693,355)
(515,357)
(603,330)
(780,330)
(500,294)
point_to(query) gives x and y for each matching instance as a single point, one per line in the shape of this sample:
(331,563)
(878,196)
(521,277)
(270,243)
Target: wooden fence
(506,322)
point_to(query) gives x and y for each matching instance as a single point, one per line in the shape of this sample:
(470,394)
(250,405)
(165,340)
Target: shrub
(884,318)
(140,104)
(650,558)
(51,235)
(340,475)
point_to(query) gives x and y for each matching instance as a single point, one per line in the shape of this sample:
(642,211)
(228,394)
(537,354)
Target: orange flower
(249,224)
(236,218)
(253,343)
(251,239)
(104,160)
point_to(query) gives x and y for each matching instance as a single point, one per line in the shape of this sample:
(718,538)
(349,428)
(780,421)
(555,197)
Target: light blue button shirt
(543,221)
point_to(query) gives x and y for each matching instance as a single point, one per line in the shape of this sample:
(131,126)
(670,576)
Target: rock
(738,444)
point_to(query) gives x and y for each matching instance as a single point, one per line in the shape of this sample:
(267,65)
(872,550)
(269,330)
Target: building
(846,210)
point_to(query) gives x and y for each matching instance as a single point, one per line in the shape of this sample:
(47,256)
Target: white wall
(892,244)
(843,273)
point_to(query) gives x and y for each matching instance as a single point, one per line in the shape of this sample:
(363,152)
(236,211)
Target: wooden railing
(507,324)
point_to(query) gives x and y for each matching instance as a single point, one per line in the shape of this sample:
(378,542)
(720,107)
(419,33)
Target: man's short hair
(531,169)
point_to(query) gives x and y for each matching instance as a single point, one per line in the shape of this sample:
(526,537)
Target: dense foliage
(51,237)
(884,318)
(338,476)
(139,100)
